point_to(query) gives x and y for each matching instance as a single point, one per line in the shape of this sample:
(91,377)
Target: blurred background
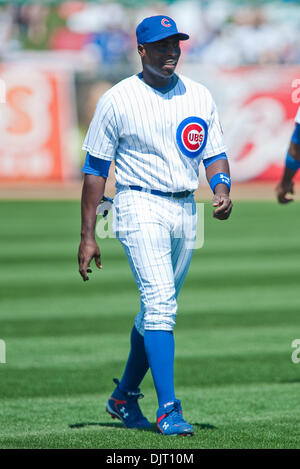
(58,58)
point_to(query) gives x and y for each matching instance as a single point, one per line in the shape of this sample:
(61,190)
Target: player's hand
(88,250)
(223,205)
(282,190)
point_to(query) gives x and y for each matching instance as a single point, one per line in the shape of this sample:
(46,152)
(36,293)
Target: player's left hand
(87,251)
(224,206)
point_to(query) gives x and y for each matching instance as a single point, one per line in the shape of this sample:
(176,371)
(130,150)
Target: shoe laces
(175,413)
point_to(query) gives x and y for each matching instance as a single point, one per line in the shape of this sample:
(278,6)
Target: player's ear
(141,50)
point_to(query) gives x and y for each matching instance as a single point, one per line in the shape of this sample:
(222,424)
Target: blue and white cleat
(170,421)
(124,406)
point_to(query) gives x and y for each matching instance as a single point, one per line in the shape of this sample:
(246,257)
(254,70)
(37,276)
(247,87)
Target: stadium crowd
(225,33)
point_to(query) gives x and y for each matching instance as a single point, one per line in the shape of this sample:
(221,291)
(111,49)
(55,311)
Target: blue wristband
(220,178)
(291,163)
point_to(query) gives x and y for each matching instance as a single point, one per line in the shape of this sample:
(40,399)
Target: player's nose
(172,52)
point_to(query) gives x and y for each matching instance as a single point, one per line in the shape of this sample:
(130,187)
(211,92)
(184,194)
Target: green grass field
(239,312)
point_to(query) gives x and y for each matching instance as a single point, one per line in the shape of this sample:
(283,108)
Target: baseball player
(157,126)
(292,164)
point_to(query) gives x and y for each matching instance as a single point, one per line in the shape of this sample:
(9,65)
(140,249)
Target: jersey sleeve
(96,166)
(215,143)
(296,134)
(102,138)
(208,161)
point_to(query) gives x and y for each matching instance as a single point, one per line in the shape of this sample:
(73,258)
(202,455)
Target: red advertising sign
(257,107)
(35,124)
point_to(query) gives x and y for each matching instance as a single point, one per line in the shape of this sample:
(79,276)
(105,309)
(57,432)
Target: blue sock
(160,350)
(137,363)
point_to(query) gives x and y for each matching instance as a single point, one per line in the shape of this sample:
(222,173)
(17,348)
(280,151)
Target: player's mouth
(170,64)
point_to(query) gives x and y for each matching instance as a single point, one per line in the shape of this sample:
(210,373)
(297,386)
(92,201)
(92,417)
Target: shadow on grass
(200,426)
(105,424)
(204,426)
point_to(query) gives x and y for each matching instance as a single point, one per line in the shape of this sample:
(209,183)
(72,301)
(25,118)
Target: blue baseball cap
(155,28)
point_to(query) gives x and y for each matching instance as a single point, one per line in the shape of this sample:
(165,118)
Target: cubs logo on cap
(191,136)
(166,23)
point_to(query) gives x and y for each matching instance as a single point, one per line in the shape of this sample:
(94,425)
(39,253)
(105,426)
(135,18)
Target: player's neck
(156,81)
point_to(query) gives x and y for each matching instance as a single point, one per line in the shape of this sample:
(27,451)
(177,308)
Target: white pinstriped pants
(158,235)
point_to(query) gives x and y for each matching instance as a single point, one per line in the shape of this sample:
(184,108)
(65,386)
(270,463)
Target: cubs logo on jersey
(191,136)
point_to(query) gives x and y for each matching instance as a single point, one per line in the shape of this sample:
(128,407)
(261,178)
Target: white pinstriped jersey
(297,118)
(156,139)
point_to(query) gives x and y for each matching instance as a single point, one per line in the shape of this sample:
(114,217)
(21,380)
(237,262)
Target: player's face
(161,57)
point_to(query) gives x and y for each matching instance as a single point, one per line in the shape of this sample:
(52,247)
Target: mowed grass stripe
(70,307)
(63,285)
(56,271)
(101,325)
(265,365)
(59,249)
(191,301)
(78,351)
(196,373)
